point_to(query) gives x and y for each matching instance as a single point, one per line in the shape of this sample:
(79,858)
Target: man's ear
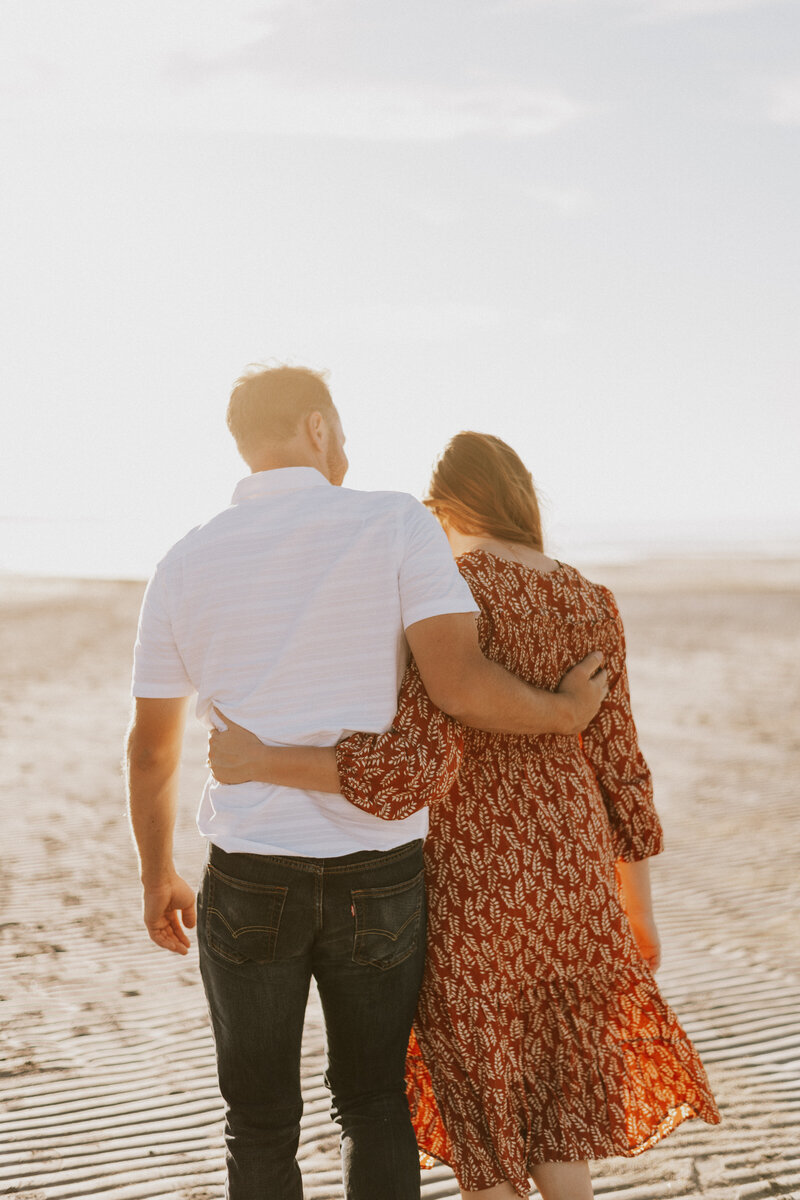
(317,429)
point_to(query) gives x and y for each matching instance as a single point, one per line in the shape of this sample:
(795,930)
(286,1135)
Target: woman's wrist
(639,914)
(262,763)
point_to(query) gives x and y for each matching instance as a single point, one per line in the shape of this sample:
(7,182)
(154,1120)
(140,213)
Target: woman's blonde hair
(481,486)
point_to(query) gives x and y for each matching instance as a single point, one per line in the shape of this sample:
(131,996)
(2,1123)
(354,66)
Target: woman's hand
(235,755)
(645,934)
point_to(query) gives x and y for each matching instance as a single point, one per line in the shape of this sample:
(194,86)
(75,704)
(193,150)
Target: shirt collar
(280,479)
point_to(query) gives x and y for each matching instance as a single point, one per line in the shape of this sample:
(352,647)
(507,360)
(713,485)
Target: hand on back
(232,752)
(586,685)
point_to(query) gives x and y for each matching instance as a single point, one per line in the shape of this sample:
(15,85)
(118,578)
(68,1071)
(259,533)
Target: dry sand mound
(108,1086)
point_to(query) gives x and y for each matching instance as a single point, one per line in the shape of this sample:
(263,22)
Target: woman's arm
(390,775)
(633,879)
(236,755)
(611,745)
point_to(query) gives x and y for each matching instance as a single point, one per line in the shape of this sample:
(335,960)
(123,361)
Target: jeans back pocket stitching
(414,916)
(277,891)
(413,920)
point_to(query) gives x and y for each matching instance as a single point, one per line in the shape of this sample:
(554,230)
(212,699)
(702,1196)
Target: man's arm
(153,754)
(483,694)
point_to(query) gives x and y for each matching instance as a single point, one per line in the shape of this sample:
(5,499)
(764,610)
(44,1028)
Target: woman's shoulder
(569,598)
(478,568)
(595,594)
(479,573)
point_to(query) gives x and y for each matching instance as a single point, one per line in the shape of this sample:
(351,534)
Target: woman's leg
(563,1181)
(555,1181)
(501,1191)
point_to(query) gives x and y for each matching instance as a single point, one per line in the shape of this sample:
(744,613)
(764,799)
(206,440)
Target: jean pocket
(241,918)
(388,922)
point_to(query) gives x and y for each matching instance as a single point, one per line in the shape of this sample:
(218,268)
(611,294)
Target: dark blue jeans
(266,924)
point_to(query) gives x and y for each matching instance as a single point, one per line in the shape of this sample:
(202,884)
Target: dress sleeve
(413,764)
(612,747)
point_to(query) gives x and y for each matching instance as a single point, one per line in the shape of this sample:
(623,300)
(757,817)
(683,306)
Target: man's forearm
(486,696)
(153,756)
(152,808)
(483,694)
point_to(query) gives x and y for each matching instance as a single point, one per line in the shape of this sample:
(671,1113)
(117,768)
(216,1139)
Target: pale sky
(572,223)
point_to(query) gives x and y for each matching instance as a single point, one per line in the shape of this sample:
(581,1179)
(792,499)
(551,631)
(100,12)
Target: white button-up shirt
(287,612)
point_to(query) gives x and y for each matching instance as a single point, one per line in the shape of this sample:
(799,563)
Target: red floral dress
(540,1033)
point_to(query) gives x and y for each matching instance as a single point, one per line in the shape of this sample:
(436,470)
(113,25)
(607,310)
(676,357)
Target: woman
(541,1040)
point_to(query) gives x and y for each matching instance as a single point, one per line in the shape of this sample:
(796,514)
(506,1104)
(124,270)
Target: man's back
(286,611)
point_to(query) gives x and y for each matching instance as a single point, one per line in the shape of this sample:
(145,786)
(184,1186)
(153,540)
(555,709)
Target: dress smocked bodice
(538,624)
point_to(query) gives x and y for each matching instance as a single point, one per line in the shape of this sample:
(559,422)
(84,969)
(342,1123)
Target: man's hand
(168,912)
(234,754)
(586,685)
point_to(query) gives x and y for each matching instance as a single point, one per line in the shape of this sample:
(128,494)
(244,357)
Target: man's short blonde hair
(267,404)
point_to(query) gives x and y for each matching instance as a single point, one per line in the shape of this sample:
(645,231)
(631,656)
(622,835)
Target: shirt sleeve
(412,765)
(158,669)
(430,582)
(612,747)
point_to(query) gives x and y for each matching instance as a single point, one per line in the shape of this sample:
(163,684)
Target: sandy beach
(108,1084)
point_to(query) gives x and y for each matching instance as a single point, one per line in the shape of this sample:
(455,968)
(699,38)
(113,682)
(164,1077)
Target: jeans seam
(247,885)
(384,857)
(315,866)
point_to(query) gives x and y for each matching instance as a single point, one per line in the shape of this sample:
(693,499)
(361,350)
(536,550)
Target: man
(293,611)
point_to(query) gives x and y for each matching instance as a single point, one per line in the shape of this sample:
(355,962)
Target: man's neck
(277,460)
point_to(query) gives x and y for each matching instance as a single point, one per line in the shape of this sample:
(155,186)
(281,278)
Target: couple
(540,1039)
